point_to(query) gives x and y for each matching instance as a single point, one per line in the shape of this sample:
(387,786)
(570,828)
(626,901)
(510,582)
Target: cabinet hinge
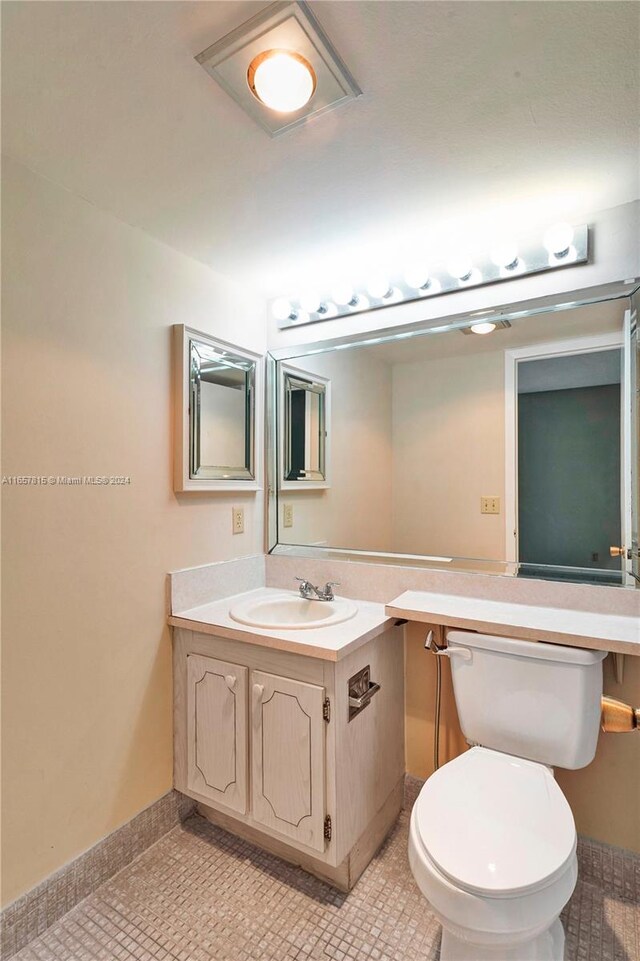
(326,709)
(327,828)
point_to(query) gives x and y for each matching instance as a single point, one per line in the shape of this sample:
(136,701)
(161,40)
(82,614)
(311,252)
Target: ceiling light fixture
(280,67)
(486,328)
(558,240)
(564,246)
(379,288)
(313,303)
(282,80)
(461,268)
(505,255)
(282,309)
(417,278)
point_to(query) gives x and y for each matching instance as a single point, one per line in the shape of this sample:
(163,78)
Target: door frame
(558,348)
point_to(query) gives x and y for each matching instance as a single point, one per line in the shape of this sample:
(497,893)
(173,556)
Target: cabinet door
(288,758)
(217,730)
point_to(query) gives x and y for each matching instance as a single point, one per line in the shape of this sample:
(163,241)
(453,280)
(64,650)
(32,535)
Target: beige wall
(87,307)
(355,511)
(448,451)
(603,796)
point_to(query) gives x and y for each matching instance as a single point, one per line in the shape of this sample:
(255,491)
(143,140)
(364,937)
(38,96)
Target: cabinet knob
(231,681)
(258,691)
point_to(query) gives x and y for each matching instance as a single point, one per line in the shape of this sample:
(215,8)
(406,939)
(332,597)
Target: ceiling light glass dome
(282,80)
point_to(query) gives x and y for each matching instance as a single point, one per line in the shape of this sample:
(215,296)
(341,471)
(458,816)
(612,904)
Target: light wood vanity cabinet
(264,744)
(217,748)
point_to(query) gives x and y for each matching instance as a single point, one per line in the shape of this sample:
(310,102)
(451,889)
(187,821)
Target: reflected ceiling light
(558,240)
(282,309)
(485,328)
(282,80)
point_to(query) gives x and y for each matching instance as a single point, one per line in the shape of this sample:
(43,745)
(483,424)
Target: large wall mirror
(218,390)
(511,451)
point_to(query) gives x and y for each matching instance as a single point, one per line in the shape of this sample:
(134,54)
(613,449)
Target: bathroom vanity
(293,738)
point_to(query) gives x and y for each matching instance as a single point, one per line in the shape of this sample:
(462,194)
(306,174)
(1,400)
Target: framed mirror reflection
(305,414)
(513,450)
(218,389)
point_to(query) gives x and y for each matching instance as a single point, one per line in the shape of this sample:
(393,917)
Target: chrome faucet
(312,593)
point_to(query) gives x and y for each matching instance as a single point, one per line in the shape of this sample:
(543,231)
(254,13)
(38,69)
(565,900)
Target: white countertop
(330,643)
(604,632)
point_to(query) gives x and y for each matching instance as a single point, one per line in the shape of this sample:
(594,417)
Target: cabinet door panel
(288,751)
(217,730)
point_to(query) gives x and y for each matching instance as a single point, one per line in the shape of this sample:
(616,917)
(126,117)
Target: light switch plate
(489,505)
(238,520)
(287,515)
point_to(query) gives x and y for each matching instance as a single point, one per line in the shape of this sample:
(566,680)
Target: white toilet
(492,843)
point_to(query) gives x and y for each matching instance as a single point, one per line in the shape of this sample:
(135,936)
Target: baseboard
(31,914)
(613,869)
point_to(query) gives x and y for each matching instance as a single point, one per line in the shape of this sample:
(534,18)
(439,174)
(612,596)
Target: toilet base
(548,946)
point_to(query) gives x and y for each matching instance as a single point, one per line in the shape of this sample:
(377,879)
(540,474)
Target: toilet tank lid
(540,650)
(496,825)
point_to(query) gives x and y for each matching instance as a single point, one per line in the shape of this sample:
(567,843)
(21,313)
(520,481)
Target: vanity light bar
(562,245)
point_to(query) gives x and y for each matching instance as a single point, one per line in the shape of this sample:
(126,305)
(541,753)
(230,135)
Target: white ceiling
(472,112)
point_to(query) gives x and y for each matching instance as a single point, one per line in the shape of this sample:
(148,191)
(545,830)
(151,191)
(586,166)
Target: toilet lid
(494,824)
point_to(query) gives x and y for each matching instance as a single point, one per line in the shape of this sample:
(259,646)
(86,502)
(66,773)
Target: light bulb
(311,301)
(282,80)
(558,238)
(379,288)
(282,310)
(301,317)
(485,328)
(505,255)
(344,295)
(460,267)
(417,277)
(361,303)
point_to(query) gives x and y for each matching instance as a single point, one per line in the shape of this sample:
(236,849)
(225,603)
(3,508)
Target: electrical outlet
(237,514)
(489,505)
(287,515)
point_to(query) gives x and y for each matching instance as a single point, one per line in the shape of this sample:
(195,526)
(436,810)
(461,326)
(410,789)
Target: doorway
(568,487)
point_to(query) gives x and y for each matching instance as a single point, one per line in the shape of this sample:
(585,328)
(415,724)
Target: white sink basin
(291,612)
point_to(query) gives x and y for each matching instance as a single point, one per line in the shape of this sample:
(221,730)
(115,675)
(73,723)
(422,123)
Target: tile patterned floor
(201,894)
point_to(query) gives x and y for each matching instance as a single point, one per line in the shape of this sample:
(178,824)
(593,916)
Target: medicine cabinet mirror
(513,452)
(304,429)
(217,394)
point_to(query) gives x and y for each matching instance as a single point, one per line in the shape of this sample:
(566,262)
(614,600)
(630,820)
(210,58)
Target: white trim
(577,345)
(182,481)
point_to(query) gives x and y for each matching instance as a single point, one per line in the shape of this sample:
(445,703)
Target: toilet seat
(496,825)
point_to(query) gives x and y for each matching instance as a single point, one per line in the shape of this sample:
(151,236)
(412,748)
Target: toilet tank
(535,700)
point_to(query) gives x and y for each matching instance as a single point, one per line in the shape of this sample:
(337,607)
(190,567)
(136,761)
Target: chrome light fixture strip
(533,259)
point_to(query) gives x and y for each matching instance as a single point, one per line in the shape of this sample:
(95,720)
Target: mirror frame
(186,418)
(318,480)
(277,358)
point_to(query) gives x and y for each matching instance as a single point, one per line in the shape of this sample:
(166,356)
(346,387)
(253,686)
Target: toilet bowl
(492,841)
(497,862)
